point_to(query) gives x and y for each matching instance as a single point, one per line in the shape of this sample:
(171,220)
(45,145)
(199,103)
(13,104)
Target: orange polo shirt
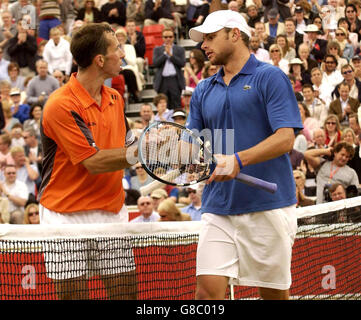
(74,128)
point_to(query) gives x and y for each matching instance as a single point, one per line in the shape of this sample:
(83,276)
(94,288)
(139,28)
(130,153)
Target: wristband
(239,161)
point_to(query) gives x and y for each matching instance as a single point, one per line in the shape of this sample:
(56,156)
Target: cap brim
(196,33)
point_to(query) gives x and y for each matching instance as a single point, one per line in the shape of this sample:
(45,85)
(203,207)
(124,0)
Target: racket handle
(257,183)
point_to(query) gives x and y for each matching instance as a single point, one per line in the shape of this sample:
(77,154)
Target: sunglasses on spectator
(36,213)
(168,37)
(330,62)
(145,203)
(330,122)
(275,50)
(346,72)
(11,172)
(340,34)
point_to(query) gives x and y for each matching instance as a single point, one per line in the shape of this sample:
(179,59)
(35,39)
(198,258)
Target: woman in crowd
(352,36)
(193,71)
(89,12)
(288,52)
(16,80)
(332,129)
(31,214)
(349,136)
(334,48)
(34,120)
(346,48)
(299,72)
(168,211)
(277,59)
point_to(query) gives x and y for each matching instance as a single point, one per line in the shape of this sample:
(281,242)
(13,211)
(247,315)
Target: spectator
(89,13)
(49,16)
(5,88)
(332,129)
(57,53)
(274,27)
(197,11)
(33,150)
(319,139)
(297,69)
(26,172)
(186,98)
(334,48)
(146,115)
(136,10)
(114,13)
(19,110)
(5,155)
(346,48)
(163,113)
(146,211)
(179,116)
(322,90)
(7,31)
(194,208)
(34,120)
(136,39)
(158,196)
(23,7)
(193,71)
(141,179)
(41,86)
(159,12)
(129,66)
(331,76)
(353,20)
(10,121)
(294,38)
(352,36)
(4,210)
(265,39)
(300,180)
(316,107)
(317,47)
(253,15)
(260,53)
(16,192)
(348,74)
(281,6)
(301,21)
(16,80)
(337,191)
(349,136)
(31,214)
(304,55)
(169,59)
(168,211)
(288,52)
(22,49)
(344,105)
(16,134)
(3,66)
(277,58)
(60,76)
(331,171)
(355,126)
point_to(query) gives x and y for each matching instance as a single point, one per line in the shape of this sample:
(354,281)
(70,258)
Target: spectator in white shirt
(57,53)
(16,192)
(145,206)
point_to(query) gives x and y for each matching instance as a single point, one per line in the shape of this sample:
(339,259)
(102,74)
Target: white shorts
(253,249)
(73,258)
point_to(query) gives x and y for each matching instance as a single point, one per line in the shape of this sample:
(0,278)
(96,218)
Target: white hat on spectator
(218,20)
(296,61)
(312,28)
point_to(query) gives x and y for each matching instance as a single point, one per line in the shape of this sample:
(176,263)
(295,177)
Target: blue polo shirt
(258,101)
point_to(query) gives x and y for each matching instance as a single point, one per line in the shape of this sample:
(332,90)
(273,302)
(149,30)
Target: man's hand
(227,168)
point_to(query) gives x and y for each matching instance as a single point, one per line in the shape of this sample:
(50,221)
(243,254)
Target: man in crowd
(145,206)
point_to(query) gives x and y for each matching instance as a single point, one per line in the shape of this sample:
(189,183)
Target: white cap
(218,20)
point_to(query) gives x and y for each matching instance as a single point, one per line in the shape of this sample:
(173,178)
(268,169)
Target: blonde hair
(276,46)
(174,214)
(26,212)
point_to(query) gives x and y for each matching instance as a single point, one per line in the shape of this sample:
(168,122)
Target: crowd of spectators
(316,43)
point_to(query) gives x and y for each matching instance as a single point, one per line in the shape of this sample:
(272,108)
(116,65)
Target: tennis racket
(172,154)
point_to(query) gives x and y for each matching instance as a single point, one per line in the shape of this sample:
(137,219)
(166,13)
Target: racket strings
(170,148)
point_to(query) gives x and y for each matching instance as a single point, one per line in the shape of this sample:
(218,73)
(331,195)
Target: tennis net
(152,261)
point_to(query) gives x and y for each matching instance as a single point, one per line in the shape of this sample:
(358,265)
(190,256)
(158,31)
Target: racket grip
(257,183)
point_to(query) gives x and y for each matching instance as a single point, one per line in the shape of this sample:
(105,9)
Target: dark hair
(159,97)
(344,145)
(88,42)
(309,86)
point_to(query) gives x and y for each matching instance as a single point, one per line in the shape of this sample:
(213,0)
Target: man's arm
(277,144)
(314,156)
(112,159)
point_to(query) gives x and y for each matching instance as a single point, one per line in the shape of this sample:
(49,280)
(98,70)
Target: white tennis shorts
(253,249)
(73,258)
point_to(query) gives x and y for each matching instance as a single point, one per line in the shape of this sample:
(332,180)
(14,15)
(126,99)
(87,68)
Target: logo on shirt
(246,87)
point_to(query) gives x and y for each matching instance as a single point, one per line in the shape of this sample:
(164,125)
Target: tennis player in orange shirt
(87,142)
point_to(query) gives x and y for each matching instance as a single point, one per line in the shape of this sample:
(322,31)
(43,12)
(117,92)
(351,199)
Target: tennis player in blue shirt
(251,110)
